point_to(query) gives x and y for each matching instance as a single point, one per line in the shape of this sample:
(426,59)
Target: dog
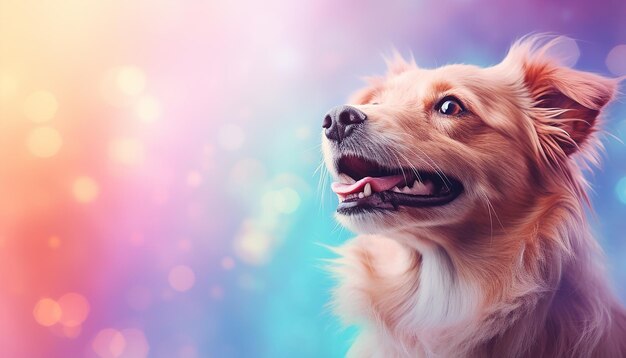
(465,186)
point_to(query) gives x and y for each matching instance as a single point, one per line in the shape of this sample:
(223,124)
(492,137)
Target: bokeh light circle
(74,308)
(303,133)
(228,263)
(109,343)
(194,179)
(181,278)
(217,292)
(252,245)
(40,106)
(54,242)
(126,151)
(187,351)
(148,108)
(71,331)
(85,189)
(47,312)
(285,200)
(565,51)
(136,344)
(44,142)
(131,80)
(616,60)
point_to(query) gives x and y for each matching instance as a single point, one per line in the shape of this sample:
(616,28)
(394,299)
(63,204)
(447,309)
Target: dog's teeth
(367,191)
(418,184)
(361,195)
(396,189)
(419,188)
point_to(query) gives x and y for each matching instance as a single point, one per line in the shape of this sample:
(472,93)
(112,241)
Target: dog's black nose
(340,122)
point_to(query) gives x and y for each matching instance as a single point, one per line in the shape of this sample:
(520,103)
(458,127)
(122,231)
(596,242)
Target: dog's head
(438,147)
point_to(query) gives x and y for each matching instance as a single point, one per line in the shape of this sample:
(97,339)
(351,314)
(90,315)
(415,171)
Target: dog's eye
(450,107)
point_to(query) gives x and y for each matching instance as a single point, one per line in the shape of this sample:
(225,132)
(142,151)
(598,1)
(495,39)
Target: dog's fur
(509,268)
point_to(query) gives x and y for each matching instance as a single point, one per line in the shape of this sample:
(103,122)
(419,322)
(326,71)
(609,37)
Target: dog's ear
(396,64)
(565,103)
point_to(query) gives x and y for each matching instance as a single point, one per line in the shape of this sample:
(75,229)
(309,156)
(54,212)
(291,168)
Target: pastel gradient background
(158,186)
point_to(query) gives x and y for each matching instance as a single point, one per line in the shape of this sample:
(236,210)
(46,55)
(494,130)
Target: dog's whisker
(324,184)
(431,163)
(320,167)
(488,204)
(396,153)
(315,147)
(412,167)
(435,167)
(400,166)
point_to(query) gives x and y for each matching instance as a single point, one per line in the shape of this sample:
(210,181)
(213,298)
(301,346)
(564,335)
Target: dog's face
(436,148)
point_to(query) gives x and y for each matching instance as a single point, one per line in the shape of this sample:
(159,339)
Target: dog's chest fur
(390,290)
(412,303)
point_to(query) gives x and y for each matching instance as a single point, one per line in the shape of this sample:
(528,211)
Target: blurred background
(158,186)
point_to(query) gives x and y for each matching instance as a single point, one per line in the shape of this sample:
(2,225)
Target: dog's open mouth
(365,185)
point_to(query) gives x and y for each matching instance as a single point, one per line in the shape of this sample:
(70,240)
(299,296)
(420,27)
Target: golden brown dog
(465,186)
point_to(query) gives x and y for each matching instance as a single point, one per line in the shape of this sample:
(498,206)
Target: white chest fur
(404,299)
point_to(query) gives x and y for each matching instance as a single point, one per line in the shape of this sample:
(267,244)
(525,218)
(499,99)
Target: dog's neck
(435,301)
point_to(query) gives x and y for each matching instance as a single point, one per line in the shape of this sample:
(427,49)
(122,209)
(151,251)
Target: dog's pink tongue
(378,184)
